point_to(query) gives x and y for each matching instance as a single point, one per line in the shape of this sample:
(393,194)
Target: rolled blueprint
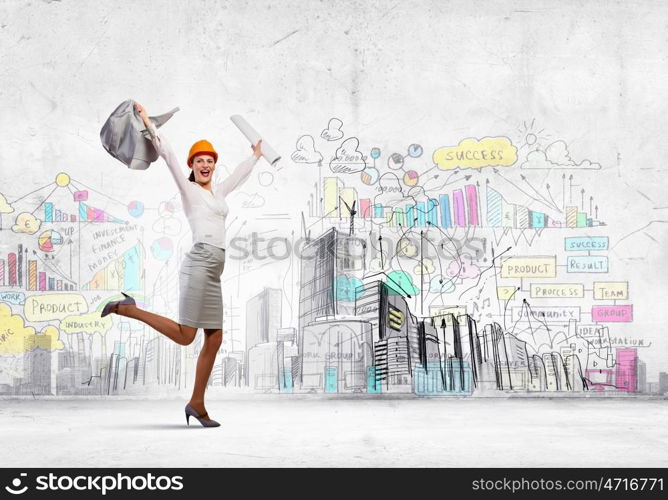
(251,134)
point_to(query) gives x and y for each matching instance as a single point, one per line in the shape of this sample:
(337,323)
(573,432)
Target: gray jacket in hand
(125,137)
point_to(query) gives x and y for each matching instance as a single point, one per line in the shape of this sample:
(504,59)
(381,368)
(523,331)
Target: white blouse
(205,210)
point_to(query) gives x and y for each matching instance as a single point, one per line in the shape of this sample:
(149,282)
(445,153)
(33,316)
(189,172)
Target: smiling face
(203,166)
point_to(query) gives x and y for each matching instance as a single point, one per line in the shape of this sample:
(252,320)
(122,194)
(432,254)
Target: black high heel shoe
(109,307)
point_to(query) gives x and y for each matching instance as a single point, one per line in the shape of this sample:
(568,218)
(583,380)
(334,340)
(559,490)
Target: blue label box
(587,264)
(586,243)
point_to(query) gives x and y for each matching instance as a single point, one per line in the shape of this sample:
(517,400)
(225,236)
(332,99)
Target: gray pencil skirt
(200,295)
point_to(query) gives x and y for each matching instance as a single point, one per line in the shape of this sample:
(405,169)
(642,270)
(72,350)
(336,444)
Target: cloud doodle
(17,338)
(348,159)
(333,131)
(347,288)
(401,283)
(441,284)
(427,267)
(463,268)
(26,223)
(168,207)
(556,156)
(406,248)
(306,152)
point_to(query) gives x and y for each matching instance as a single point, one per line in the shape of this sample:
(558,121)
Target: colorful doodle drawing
(375,311)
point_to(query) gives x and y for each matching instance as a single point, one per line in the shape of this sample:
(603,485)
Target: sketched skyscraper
(626,369)
(331,268)
(263,320)
(642,377)
(37,364)
(394,331)
(263,317)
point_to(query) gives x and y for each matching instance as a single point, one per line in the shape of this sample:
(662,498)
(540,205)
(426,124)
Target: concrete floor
(303,431)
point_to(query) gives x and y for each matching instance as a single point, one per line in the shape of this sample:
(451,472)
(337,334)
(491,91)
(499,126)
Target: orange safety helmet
(202,147)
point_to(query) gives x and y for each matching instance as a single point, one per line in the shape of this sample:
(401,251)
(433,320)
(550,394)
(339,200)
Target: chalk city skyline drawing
(482,267)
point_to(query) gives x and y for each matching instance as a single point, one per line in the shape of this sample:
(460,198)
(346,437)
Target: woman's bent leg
(181,334)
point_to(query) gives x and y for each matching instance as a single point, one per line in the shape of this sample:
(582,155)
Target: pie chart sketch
(136,208)
(162,248)
(48,240)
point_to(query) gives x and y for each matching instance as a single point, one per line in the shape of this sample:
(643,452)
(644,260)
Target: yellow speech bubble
(474,153)
(47,339)
(12,331)
(86,323)
(17,338)
(48,306)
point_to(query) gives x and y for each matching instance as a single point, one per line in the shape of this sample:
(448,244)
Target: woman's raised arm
(164,150)
(242,171)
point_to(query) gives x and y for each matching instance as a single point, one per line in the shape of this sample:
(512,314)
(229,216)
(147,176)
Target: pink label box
(612,314)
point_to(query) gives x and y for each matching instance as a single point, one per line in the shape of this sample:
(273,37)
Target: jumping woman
(200,296)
